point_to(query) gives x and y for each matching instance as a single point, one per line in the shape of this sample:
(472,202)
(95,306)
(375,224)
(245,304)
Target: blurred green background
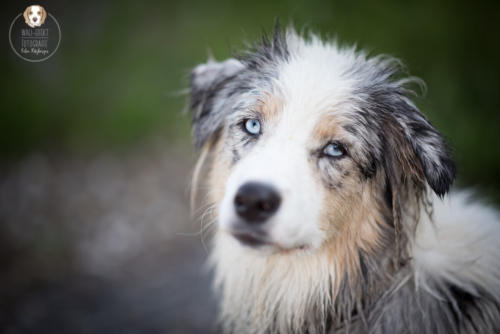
(117,77)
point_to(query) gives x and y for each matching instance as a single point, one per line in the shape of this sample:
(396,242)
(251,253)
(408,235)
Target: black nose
(256,202)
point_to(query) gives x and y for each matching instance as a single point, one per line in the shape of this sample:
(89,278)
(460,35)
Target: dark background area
(95,152)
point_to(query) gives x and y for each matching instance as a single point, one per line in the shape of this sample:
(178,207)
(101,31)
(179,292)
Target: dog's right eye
(252,126)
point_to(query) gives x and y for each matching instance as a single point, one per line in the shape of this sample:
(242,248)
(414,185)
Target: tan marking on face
(270,107)
(220,170)
(353,221)
(349,215)
(328,128)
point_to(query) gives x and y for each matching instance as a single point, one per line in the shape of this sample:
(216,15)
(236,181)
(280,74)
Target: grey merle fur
(215,87)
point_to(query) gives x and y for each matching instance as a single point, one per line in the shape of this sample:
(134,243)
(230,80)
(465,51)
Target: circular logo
(34,35)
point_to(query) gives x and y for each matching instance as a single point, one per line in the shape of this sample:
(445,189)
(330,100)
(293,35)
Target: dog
(329,191)
(35,16)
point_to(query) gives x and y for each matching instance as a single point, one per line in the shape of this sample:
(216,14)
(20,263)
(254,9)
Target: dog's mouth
(251,239)
(258,240)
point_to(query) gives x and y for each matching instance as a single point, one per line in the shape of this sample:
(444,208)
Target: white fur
(255,287)
(461,246)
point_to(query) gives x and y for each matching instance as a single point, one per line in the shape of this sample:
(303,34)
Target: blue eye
(334,150)
(252,126)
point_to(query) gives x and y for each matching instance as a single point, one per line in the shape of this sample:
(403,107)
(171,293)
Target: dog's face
(293,175)
(307,140)
(35,16)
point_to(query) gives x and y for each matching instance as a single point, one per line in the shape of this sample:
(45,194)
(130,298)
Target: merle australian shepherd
(328,188)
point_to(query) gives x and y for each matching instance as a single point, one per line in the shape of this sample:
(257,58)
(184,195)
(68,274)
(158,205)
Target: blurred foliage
(118,74)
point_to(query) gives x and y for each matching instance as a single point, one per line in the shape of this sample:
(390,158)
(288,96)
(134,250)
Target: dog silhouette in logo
(35,16)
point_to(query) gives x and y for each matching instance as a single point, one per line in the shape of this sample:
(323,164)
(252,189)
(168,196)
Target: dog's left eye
(334,150)
(252,126)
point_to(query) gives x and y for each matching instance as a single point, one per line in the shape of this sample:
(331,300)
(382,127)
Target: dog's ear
(210,89)
(25,14)
(44,15)
(422,151)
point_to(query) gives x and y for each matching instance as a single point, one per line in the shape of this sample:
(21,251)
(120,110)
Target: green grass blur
(117,77)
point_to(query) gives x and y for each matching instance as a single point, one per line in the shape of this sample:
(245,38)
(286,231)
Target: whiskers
(207,218)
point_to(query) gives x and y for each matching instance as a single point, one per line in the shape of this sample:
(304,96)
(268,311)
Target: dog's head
(312,142)
(35,16)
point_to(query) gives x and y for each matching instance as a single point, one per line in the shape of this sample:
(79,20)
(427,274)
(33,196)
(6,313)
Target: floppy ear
(25,14)
(414,153)
(44,15)
(421,140)
(210,92)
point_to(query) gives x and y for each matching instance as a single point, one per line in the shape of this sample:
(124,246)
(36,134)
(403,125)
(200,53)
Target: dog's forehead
(316,76)
(307,81)
(311,92)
